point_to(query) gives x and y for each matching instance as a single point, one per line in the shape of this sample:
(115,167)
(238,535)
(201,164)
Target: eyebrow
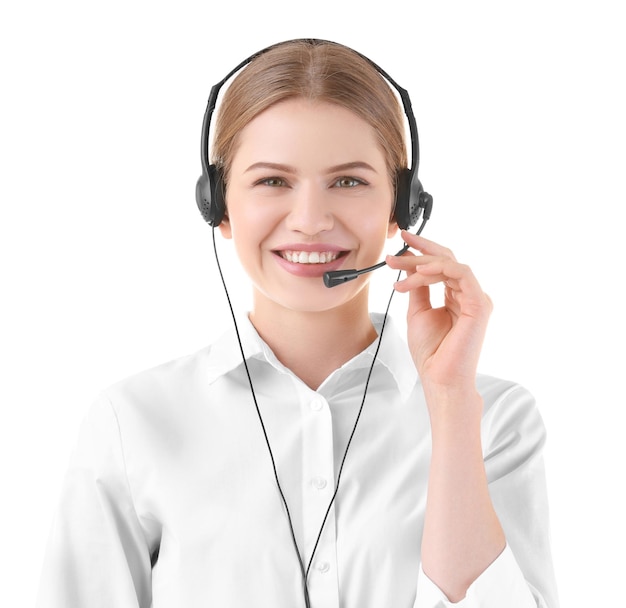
(357,164)
(268,165)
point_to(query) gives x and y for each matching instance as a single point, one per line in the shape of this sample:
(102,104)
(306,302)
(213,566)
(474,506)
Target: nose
(310,211)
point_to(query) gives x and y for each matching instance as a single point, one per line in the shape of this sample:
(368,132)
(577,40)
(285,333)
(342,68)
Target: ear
(225,227)
(392,229)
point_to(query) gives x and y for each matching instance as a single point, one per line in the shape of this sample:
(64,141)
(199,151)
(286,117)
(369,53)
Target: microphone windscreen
(338,277)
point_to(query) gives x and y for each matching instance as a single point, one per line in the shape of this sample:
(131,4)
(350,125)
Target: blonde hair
(318,71)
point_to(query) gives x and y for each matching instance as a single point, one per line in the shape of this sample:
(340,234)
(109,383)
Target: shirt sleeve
(501,584)
(522,576)
(97,554)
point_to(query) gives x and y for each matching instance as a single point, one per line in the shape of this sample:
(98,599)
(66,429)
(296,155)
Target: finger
(419,293)
(457,276)
(409,261)
(460,283)
(452,303)
(417,280)
(428,271)
(419,300)
(420,296)
(423,245)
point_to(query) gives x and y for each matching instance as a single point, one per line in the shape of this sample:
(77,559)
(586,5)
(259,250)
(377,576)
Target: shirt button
(316,405)
(323,567)
(319,483)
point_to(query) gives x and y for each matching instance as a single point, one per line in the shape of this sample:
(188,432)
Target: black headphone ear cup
(219,202)
(403,195)
(203,197)
(415,205)
(210,196)
(409,193)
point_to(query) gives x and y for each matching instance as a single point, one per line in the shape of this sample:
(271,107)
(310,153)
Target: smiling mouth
(310,257)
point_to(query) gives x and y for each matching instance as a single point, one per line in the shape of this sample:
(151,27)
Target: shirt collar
(393,354)
(225,355)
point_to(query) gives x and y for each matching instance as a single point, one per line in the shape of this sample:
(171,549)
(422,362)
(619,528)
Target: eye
(272,182)
(349,182)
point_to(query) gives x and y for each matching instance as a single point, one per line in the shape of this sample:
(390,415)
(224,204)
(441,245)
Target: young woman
(329,462)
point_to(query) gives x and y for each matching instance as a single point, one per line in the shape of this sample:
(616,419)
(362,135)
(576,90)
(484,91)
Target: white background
(107,266)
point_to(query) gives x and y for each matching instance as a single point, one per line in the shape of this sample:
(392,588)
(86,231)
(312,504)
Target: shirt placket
(318,483)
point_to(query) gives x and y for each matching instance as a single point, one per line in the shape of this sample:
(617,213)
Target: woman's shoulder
(511,417)
(505,397)
(493,388)
(168,384)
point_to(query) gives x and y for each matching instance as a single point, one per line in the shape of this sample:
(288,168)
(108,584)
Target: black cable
(305,573)
(258,411)
(358,417)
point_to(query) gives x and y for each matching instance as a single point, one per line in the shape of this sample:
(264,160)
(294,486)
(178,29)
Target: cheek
(241,215)
(249,226)
(380,224)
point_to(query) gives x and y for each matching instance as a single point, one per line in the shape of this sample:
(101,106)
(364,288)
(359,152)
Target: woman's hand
(462,534)
(445,342)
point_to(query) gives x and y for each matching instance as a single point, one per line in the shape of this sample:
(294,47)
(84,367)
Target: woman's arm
(97,554)
(462,533)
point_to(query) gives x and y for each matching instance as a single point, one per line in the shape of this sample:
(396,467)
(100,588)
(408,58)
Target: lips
(309,260)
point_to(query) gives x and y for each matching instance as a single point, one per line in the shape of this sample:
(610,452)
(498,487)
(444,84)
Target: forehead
(311,133)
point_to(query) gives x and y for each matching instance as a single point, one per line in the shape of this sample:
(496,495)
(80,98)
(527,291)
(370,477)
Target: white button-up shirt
(170,499)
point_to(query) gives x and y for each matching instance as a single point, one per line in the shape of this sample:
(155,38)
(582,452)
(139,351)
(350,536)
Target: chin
(310,295)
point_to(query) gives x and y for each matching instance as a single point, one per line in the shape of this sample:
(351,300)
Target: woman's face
(308,192)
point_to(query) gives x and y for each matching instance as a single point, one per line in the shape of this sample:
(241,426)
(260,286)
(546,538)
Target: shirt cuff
(501,584)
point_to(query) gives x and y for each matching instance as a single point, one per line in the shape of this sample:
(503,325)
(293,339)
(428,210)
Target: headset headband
(215,89)
(410,199)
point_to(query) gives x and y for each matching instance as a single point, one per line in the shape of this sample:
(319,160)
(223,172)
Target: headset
(411,201)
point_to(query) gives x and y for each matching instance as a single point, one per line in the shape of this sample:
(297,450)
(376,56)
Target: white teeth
(309,257)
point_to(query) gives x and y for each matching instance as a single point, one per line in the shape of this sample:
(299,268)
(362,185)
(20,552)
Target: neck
(314,344)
